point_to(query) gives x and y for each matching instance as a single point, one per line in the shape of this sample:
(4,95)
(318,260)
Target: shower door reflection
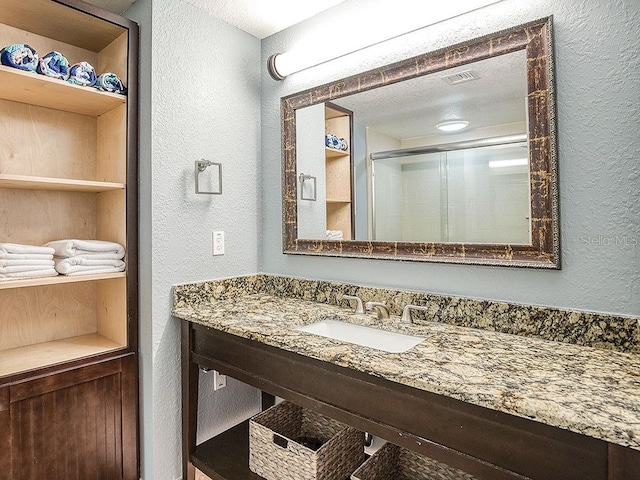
(474,195)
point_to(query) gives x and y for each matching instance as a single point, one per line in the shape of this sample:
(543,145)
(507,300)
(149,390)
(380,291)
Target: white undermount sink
(361,335)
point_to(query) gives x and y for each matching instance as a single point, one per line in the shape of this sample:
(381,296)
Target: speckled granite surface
(587,390)
(570,326)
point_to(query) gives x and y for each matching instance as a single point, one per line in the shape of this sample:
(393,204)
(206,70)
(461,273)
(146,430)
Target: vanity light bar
(281,65)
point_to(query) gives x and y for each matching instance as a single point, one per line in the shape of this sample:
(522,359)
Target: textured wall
(597,66)
(201,98)
(311,161)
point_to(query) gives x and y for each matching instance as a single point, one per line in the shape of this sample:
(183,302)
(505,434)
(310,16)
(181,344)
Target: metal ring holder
(303,178)
(200,166)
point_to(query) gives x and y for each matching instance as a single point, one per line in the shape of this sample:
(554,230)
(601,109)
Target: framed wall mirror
(393,180)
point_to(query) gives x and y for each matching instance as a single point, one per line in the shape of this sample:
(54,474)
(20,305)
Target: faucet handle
(406,312)
(381,307)
(359,310)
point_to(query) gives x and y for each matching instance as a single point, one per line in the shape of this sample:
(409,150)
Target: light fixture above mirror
(377,27)
(539,247)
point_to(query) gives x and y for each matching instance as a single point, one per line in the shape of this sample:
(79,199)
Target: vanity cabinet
(68,170)
(483,442)
(338,169)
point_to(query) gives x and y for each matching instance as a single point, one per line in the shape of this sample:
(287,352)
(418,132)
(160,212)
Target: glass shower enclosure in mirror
(473,195)
(388,183)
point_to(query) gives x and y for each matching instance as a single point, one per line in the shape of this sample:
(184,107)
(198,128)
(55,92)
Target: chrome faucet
(381,308)
(406,312)
(359,310)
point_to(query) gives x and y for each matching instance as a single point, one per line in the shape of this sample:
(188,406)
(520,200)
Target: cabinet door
(5,435)
(76,425)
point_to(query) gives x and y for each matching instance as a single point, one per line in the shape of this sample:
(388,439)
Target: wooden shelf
(50,353)
(334,153)
(34,89)
(60,279)
(226,456)
(28,182)
(338,172)
(67,25)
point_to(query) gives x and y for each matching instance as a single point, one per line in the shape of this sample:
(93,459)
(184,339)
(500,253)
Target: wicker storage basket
(397,463)
(275,455)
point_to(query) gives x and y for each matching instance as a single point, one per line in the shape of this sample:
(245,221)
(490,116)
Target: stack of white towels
(26,261)
(334,235)
(87,257)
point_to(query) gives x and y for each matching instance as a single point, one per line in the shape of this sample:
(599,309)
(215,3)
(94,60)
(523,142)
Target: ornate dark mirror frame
(544,251)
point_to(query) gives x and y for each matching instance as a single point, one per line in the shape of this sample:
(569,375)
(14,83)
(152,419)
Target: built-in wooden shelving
(34,89)
(58,280)
(27,182)
(338,168)
(68,170)
(45,354)
(65,170)
(335,153)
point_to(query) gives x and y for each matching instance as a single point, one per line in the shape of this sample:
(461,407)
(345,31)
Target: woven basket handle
(280,441)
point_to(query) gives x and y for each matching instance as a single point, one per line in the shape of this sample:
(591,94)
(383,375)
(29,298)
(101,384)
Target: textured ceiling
(262,18)
(413,108)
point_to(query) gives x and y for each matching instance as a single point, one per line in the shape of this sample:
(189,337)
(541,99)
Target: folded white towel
(16,248)
(87,261)
(26,256)
(70,248)
(334,235)
(47,272)
(80,270)
(17,263)
(96,256)
(84,266)
(24,268)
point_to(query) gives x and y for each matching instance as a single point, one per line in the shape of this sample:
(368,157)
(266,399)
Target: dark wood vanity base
(486,443)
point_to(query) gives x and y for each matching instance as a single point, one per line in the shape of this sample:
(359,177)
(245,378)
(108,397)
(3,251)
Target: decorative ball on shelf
(54,65)
(20,56)
(83,74)
(343,144)
(110,82)
(332,141)
(328,140)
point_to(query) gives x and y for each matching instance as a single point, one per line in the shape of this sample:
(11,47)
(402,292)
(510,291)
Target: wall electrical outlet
(219,380)
(218,243)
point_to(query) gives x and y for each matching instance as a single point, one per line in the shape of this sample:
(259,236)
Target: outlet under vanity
(496,390)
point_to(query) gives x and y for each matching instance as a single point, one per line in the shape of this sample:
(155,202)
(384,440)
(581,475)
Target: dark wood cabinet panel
(623,463)
(5,433)
(70,426)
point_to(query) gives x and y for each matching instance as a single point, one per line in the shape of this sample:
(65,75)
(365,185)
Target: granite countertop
(583,389)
